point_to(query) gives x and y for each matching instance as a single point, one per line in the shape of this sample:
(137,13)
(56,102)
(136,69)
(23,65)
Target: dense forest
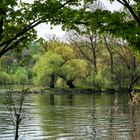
(101,50)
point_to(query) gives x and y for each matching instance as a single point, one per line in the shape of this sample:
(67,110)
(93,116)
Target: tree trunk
(109,49)
(94,61)
(111,63)
(70,84)
(93,48)
(134,75)
(52,82)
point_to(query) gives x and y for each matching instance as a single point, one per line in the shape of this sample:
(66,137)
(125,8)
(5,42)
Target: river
(74,117)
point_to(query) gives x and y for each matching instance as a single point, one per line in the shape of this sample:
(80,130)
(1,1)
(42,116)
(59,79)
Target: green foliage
(60,83)
(98,81)
(62,49)
(42,79)
(5,78)
(101,81)
(18,19)
(59,61)
(47,64)
(21,76)
(73,69)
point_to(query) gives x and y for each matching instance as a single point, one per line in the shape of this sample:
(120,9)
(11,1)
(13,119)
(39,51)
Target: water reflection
(78,117)
(52,101)
(91,132)
(133,119)
(70,99)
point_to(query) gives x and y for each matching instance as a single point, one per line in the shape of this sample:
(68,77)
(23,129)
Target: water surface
(74,117)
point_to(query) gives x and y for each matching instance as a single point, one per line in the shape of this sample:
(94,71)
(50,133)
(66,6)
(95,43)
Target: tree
(18,19)
(14,25)
(121,24)
(123,61)
(86,45)
(130,61)
(59,61)
(47,68)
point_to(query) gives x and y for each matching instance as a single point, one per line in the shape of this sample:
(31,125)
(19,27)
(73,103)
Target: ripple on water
(89,119)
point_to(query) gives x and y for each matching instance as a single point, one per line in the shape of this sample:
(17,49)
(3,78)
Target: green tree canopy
(59,62)
(18,19)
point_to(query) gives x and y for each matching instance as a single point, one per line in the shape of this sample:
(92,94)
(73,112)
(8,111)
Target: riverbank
(41,90)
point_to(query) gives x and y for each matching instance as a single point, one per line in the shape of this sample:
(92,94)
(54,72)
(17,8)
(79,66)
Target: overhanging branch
(129,7)
(5,46)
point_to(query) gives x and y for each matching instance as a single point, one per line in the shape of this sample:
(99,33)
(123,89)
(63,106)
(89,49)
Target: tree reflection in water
(133,109)
(87,117)
(118,122)
(91,131)
(52,100)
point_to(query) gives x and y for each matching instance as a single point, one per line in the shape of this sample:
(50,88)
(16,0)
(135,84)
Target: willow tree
(60,61)
(48,67)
